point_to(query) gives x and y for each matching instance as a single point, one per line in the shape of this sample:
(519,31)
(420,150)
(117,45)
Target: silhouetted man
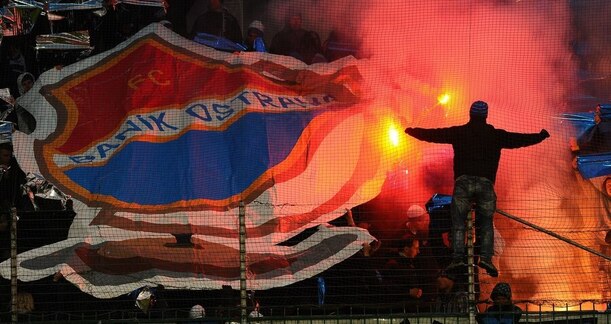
(477,150)
(288,40)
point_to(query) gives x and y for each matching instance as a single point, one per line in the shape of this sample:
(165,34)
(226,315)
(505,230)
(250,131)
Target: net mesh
(156,138)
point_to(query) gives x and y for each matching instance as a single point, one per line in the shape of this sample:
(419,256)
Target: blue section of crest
(200,164)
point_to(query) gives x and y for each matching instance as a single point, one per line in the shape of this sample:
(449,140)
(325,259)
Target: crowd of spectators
(192,19)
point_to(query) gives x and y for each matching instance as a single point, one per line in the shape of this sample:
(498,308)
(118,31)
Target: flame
(391,141)
(444,98)
(393,135)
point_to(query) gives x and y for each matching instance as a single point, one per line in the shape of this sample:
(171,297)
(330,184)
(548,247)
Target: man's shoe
(489,267)
(456,264)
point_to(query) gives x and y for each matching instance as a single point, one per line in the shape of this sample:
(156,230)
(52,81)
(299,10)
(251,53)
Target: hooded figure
(254,39)
(25,81)
(502,310)
(501,290)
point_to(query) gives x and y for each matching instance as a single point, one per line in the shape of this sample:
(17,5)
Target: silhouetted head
(479,110)
(294,21)
(501,293)
(410,248)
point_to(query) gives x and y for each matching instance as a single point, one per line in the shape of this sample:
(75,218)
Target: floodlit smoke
(515,55)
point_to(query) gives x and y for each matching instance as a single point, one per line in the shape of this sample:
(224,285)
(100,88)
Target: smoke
(591,33)
(517,56)
(591,45)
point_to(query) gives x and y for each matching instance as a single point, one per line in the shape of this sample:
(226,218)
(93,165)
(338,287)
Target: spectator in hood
(502,310)
(255,34)
(25,81)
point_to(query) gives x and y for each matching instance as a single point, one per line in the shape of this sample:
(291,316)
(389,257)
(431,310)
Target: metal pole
(243,293)
(13,265)
(550,233)
(471,266)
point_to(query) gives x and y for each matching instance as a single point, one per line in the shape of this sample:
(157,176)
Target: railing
(308,314)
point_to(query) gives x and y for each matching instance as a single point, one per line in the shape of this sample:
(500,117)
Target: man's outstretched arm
(515,140)
(434,135)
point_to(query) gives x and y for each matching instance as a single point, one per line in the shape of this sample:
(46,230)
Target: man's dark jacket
(477,145)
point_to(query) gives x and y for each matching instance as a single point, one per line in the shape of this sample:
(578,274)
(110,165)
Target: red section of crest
(146,78)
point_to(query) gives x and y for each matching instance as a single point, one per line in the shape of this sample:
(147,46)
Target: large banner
(159,140)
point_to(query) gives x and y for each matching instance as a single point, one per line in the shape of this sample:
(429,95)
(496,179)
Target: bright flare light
(393,133)
(443,99)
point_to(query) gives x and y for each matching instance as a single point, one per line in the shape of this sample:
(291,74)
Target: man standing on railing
(477,150)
